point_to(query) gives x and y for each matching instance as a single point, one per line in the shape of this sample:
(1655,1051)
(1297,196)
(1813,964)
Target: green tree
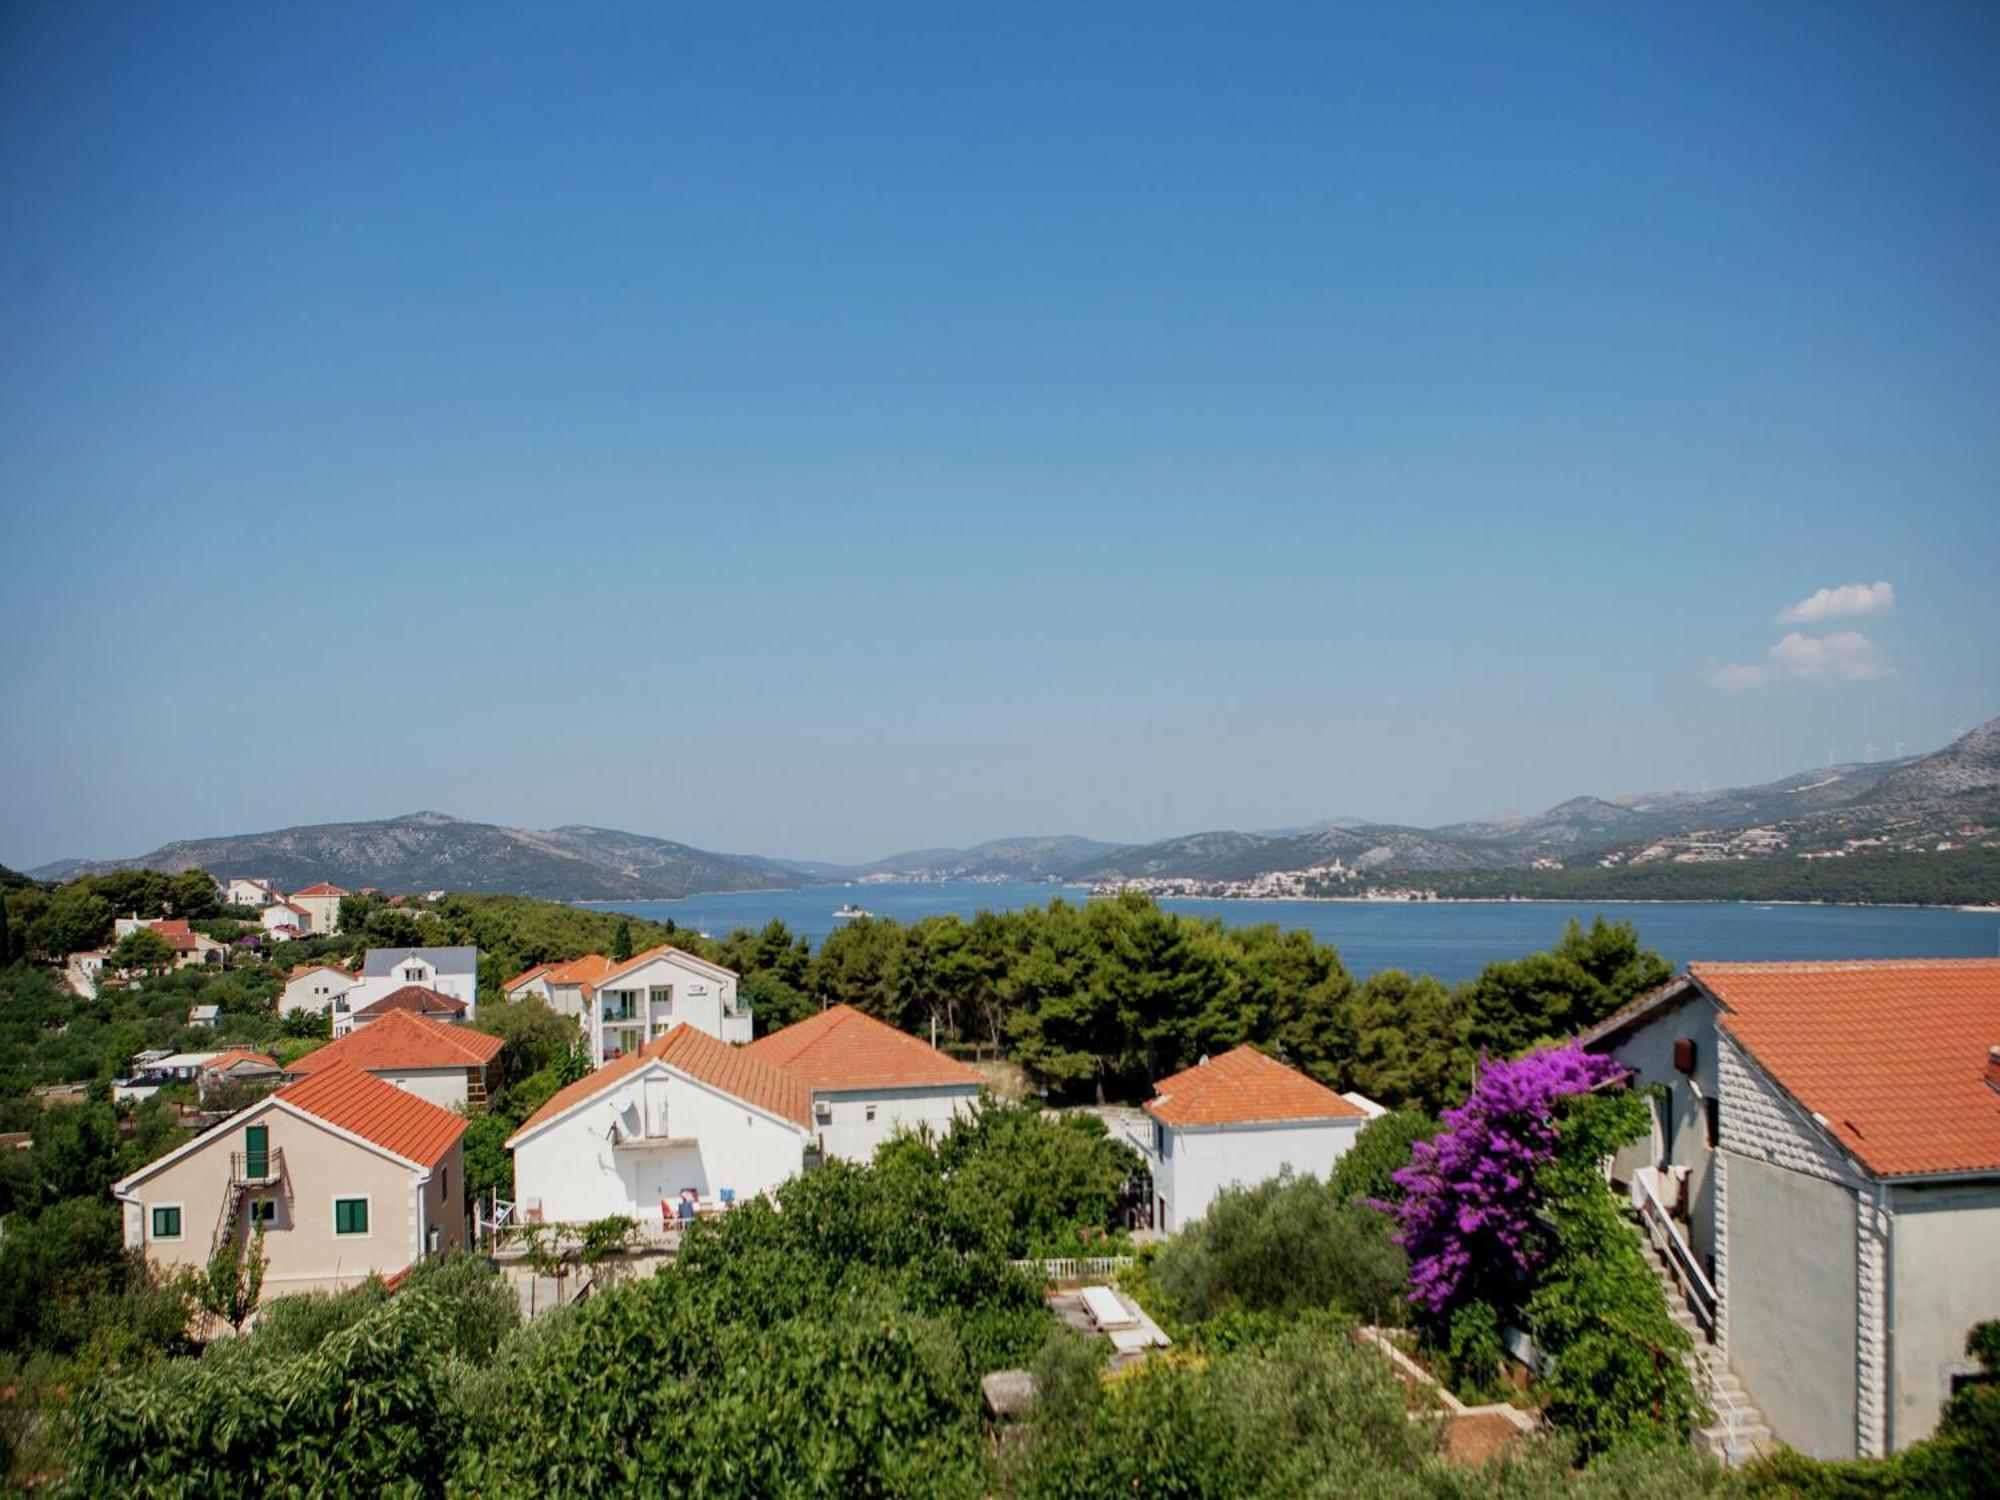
(76,919)
(142,950)
(1404,1041)
(621,941)
(233,1282)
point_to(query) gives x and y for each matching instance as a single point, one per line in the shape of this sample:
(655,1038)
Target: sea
(1450,939)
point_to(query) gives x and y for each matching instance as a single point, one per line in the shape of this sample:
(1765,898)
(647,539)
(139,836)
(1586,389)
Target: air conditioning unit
(822,1109)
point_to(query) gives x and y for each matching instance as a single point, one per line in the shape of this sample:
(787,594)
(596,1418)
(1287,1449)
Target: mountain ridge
(1923,801)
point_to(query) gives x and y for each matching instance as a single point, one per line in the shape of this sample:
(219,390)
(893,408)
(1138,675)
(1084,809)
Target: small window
(444,1182)
(350,1216)
(167,1222)
(1711,1110)
(264,1211)
(871,1111)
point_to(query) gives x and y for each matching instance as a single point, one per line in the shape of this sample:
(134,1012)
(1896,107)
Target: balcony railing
(257,1168)
(1680,1257)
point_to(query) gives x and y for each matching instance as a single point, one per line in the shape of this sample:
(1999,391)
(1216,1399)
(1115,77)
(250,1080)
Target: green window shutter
(350,1216)
(166,1223)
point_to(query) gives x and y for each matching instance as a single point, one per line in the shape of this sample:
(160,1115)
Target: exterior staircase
(1739,1432)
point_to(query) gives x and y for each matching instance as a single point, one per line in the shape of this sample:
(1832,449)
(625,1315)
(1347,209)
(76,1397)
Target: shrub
(1284,1246)
(1368,1168)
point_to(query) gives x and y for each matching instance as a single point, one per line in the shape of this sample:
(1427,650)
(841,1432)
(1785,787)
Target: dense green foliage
(1953,877)
(1286,1246)
(1366,1169)
(1304,1414)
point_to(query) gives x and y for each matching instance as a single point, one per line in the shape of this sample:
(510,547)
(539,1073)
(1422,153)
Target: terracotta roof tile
(843,1048)
(324,888)
(1891,1054)
(402,1039)
(299,971)
(235,1055)
(697,1054)
(363,1105)
(415,998)
(579,970)
(1243,1086)
(610,971)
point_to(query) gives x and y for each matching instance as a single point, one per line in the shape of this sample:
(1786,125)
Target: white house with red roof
(452,1066)
(245,890)
(1238,1120)
(282,919)
(1823,1180)
(347,1176)
(623,1005)
(318,988)
(321,904)
(413,998)
(869,1079)
(682,1116)
(448,971)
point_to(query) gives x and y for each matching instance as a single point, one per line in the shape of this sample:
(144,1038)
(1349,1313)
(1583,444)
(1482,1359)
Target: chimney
(1993,1068)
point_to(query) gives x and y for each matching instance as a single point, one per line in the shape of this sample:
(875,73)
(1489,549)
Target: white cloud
(1842,603)
(1840,656)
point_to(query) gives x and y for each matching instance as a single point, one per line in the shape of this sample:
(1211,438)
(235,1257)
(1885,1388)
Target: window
(350,1216)
(167,1222)
(444,1182)
(871,1111)
(1712,1115)
(663,995)
(413,974)
(263,1211)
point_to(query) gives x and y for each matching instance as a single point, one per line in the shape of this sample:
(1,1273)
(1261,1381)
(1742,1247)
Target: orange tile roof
(234,1056)
(362,1104)
(402,1039)
(1891,1054)
(843,1048)
(324,888)
(594,982)
(415,997)
(579,970)
(694,1052)
(1244,1086)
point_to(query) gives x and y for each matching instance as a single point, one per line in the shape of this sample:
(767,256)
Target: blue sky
(818,430)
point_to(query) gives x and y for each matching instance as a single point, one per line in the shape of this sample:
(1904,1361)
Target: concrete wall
(1944,1272)
(444,1087)
(846,1130)
(578,1175)
(1648,1050)
(1199,1163)
(319,1165)
(1792,1289)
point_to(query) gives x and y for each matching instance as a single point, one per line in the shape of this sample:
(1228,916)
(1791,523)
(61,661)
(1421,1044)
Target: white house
(241,890)
(283,919)
(622,1006)
(450,971)
(434,1005)
(314,987)
(682,1114)
(452,1066)
(321,904)
(1238,1120)
(1824,1173)
(868,1079)
(204,1015)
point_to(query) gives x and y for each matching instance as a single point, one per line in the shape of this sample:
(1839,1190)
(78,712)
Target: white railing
(1075,1267)
(1680,1259)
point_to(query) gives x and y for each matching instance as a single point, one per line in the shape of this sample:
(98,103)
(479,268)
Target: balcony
(257,1168)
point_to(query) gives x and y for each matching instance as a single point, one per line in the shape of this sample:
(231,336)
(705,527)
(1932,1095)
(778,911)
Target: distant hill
(432,851)
(1908,805)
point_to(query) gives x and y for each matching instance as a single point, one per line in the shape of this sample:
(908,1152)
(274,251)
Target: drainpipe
(423,1187)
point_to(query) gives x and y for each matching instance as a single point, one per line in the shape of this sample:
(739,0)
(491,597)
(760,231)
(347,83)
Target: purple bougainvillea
(1468,1218)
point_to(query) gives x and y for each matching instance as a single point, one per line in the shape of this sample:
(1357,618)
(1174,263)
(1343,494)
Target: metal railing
(1680,1259)
(258,1167)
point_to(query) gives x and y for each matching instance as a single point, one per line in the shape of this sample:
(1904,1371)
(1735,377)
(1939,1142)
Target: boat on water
(849,912)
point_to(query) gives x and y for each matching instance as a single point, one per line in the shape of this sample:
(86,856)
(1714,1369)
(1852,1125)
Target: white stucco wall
(313,992)
(444,1087)
(1196,1164)
(697,997)
(578,1175)
(1944,1274)
(846,1130)
(464,987)
(1680,1127)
